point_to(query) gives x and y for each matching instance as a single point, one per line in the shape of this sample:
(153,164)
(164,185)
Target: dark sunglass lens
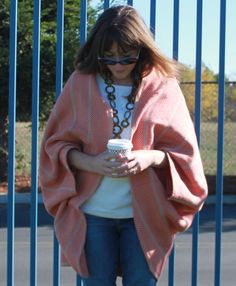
(111,62)
(107,61)
(128,61)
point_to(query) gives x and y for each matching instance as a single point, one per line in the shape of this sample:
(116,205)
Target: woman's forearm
(79,160)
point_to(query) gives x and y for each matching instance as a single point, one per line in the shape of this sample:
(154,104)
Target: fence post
(11,144)
(176,30)
(153,17)
(197,123)
(83,21)
(175,55)
(220,144)
(34,144)
(59,83)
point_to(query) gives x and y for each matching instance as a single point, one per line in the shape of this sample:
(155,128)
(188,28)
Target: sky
(187,31)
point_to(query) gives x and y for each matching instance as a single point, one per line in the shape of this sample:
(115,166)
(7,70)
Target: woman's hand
(117,166)
(138,161)
(103,163)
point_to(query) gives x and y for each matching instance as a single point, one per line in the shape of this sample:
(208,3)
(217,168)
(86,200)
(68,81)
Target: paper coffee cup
(119,146)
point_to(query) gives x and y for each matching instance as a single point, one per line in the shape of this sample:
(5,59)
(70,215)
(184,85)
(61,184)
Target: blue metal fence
(35,121)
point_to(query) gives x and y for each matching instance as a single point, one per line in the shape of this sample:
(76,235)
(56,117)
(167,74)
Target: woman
(117,212)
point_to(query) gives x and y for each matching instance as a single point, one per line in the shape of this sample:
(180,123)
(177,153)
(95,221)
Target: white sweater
(113,198)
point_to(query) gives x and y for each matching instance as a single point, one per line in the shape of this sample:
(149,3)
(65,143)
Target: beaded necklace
(118,126)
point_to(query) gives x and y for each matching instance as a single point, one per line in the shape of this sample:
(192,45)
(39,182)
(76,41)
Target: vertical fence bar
(83,35)
(197,122)
(130,2)
(198,76)
(59,83)
(11,144)
(171,270)
(56,261)
(34,144)
(175,55)
(153,16)
(176,30)
(78,280)
(60,46)
(83,21)
(220,144)
(106,4)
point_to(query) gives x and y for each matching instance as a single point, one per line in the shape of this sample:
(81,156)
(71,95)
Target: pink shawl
(162,198)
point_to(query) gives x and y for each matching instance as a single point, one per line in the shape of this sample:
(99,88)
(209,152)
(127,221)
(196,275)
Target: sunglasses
(123,61)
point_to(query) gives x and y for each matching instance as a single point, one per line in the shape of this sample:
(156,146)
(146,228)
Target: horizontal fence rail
(224,90)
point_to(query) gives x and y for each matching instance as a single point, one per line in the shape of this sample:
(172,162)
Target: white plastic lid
(119,144)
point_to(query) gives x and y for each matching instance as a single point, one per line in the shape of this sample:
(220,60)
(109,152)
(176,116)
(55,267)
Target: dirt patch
(22,185)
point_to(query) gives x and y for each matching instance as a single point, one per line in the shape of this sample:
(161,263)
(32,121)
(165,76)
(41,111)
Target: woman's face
(121,74)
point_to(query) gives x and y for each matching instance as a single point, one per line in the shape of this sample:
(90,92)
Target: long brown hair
(123,25)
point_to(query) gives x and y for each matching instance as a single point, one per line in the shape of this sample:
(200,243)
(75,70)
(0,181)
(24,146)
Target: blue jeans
(111,243)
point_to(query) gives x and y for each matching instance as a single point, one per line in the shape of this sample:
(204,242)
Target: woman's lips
(119,71)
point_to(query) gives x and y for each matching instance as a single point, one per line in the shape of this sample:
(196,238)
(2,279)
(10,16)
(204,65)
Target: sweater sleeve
(57,179)
(183,177)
